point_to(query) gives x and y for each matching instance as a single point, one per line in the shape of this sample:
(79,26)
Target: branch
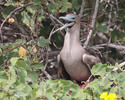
(111,45)
(36,21)
(51,16)
(1,3)
(11,13)
(47,74)
(82,8)
(122,64)
(54,31)
(93,23)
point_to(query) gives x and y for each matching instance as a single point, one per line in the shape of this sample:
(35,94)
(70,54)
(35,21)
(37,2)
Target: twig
(11,13)
(1,4)
(110,16)
(122,64)
(118,47)
(47,74)
(82,8)
(93,23)
(52,32)
(56,19)
(36,21)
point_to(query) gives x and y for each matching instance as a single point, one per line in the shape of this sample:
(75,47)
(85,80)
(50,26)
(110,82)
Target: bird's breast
(74,65)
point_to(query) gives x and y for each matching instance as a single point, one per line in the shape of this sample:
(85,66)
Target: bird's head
(71,19)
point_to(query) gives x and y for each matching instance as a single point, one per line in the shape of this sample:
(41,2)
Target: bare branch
(56,19)
(122,64)
(47,74)
(54,31)
(93,23)
(51,33)
(1,4)
(82,8)
(111,45)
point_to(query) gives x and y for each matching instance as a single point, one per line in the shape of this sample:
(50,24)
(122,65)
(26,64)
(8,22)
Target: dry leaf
(34,50)
(22,52)
(35,59)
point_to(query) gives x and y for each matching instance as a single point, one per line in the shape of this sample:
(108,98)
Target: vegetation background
(31,38)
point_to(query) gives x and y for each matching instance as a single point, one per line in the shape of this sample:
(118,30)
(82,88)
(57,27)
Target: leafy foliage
(20,82)
(20,67)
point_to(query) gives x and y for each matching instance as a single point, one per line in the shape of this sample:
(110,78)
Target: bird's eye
(73,17)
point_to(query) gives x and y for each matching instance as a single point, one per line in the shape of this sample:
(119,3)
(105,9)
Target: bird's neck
(75,33)
(72,37)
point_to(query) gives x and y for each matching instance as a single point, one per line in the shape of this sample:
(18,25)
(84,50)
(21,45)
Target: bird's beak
(66,18)
(66,25)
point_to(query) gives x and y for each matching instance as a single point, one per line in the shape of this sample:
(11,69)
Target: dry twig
(122,64)
(82,8)
(51,16)
(47,74)
(111,45)
(93,23)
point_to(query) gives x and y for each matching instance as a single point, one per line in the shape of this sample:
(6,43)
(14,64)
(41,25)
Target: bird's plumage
(75,60)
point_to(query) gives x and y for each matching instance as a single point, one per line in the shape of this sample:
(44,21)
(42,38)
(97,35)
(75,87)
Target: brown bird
(74,61)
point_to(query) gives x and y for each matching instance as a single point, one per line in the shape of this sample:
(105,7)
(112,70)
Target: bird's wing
(61,69)
(90,60)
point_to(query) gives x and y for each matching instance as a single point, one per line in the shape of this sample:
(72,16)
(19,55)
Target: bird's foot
(81,84)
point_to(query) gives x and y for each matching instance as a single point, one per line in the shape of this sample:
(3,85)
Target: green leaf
(20,41)
(42,90)
(37,66)
(13,61)
(103,28)
(10,3)
(64,8)
(21,63)
(22,75)
(67,98)
(43,42)
(38,2)
(118,35)
(50,96)
(122,92)
(99,69)
(23,90)
(121,79)
(32,76)
(75,4)
(41,15)
(112,75)
(2,58)
(3,75)
(51,8)
(2,95)
(6,11)
(12,76)
(80,94)
(28,19)
(94,85)
(105,83)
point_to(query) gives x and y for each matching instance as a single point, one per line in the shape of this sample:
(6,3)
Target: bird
(74,62)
